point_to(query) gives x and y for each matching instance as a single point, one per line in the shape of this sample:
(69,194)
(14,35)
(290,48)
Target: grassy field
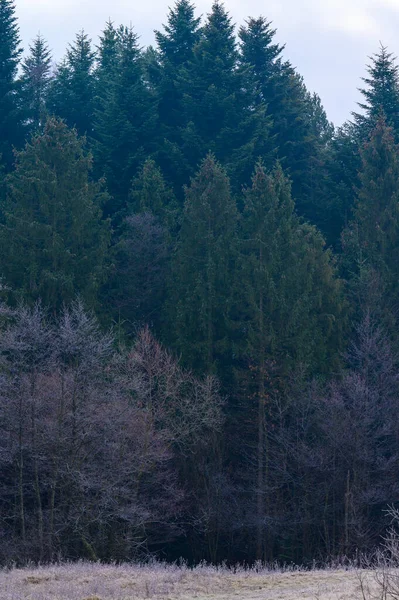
(160,582)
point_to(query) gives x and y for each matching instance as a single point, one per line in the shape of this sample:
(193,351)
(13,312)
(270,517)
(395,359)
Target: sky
(328,41)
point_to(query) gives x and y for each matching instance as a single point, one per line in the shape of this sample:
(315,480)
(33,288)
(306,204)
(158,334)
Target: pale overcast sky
(327,40)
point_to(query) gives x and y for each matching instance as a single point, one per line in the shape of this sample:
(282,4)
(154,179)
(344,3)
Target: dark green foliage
(53,241)
(201,296)
(370,242)
(71,95)
(300,129)
(10,54)
(149,193)
(181,35)
(218,108)
(35,81)
(290,296)
(125,114)
(381,96)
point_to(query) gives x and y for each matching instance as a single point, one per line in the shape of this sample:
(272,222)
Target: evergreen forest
(199,286)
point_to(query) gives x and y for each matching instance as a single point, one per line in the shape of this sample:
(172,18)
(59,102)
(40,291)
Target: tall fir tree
(150,193)
(175,47)
(290,306)
(343,161)
(35,81)
(218,109)
(381,96)
(11,133)
(370,242)
(124,120)
(71,94)
(54,241)
(203,271)
(300,129)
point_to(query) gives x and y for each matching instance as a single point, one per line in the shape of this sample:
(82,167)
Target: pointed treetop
(257,47)
(381,94)
(181,33)
(10,50)
(218,35)
(107,50)
(79,54)
(35,80)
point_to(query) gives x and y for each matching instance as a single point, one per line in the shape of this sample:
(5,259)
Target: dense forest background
(199,282)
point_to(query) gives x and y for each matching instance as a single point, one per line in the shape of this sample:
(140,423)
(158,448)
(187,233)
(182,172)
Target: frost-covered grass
(85,581)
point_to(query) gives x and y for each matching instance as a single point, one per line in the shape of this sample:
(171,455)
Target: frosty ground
(98,582)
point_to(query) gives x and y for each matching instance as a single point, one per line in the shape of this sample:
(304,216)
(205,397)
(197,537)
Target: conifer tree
(370,242)
(54,241)
(136,291)
(203,270)
(150,194)
(107,53)
(381,96)
(10,53)
(219,105)
(343,161)
(291,291)
(291,305)
(165,66)
(35,82)
(124,121)
(300,129)
(181,34)
(71,94)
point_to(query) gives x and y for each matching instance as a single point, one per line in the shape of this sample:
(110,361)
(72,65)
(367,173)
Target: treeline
(193,199)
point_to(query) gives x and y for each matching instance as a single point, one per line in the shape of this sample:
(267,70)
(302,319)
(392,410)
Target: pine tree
(10,53)
(150,194)
(107,54)
(370,242)
(165,66)
(181,35)
(285,267)
(35,80)
(203,271)
(300,129)
(219,103)
(71,94)
(54,241)
(124,121)
(257,48)
(343,161)
(290,304)
(381,95)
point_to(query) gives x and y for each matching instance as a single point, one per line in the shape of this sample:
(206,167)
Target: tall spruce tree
(175,46)
(10,53)
(150,193)
(54,241)
(71,94)
(218,109)
(381,96)
(35,81)
(181,33)
(291,306)
(300,129)
(343,161)
(124,120)
(370,242)
(203,271)
(291,292)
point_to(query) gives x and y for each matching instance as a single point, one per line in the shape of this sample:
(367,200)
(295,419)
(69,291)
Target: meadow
(84,581)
